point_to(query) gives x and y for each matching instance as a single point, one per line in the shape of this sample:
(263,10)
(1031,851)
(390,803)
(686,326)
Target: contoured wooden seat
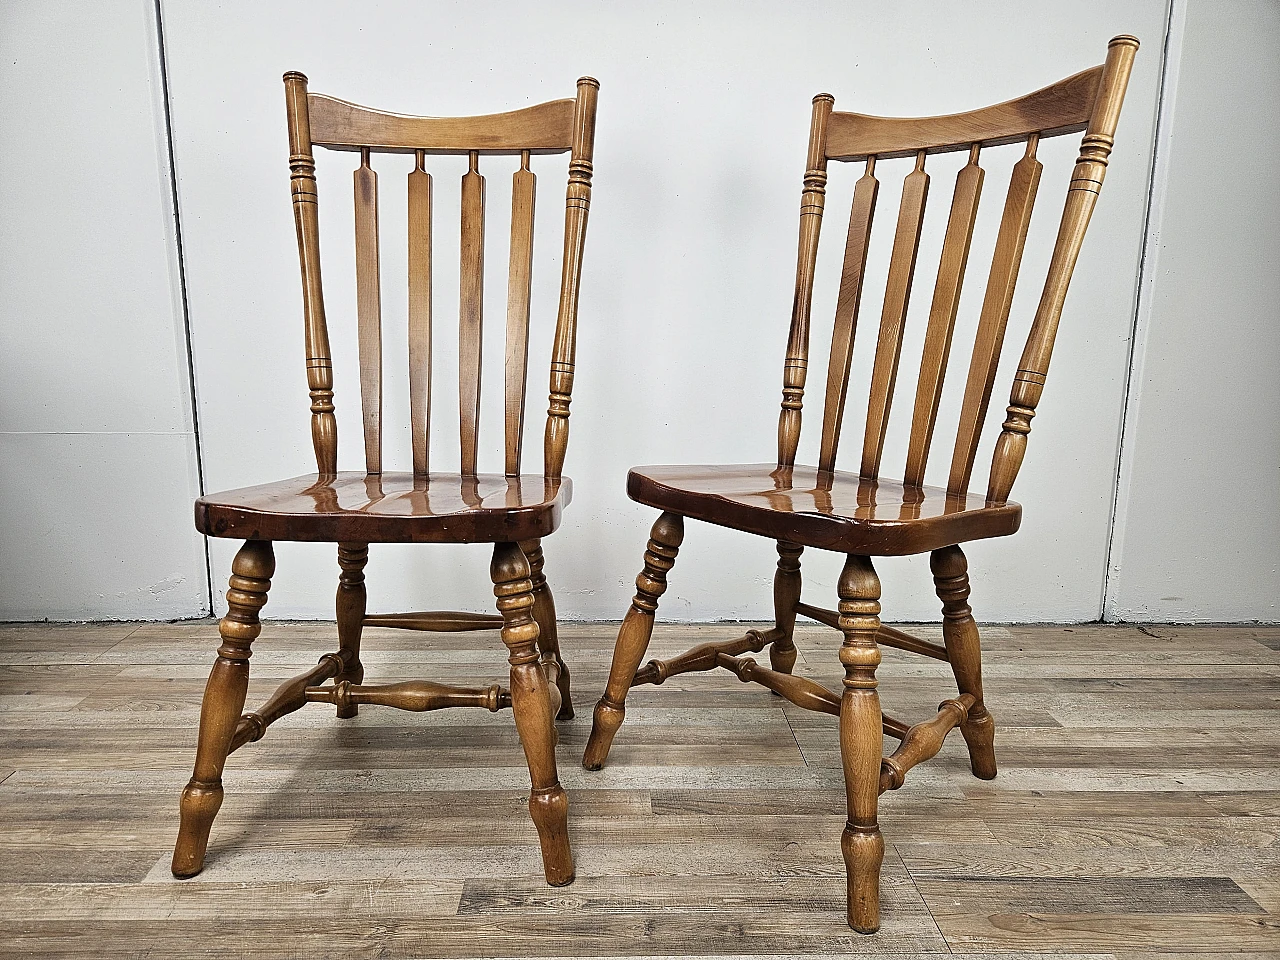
(513,511)
(862,514)
(389,508)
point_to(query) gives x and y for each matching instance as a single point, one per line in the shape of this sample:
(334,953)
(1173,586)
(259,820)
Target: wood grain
(471,313)
(893,318)
(1062,107)
(339,125)
(386,822)
(369,310)
(519,279)
(419,217)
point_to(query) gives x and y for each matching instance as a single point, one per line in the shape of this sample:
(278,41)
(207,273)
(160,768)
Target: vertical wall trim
(182,277)
(1175,25)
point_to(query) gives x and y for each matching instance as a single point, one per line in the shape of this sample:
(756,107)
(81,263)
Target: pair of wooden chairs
(861,515)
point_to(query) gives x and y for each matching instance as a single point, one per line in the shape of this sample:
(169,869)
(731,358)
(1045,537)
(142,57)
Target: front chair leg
(531,703)
(251,574)
(861,740)
(964,650)
(786,594)
(351,605)
(633,637)
(544,612)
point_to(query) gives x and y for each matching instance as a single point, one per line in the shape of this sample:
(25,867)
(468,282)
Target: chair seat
(391,508)
(830,510)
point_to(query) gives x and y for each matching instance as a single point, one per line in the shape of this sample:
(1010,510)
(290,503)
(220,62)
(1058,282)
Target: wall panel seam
(180,253)
(1175,17)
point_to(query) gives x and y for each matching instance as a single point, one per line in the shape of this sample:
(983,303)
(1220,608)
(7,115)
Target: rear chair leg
(633,637)
(964,650)
(544,612)
(786,594)
(251,573)
(351,600)
(861,740)
(532,705)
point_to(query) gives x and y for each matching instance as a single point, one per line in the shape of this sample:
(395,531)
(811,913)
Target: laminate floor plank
(1136,814)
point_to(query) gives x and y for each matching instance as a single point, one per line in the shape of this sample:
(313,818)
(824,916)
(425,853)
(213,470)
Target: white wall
(1197,530)
(703,120)
(97,450)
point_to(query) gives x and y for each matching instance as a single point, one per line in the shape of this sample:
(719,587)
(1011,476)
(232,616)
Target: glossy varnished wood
(544,128)
(369,310)
(1005,263)
(867,514)
(834,511)
(419,285)
(392,508)
(1062,107)
(354,510)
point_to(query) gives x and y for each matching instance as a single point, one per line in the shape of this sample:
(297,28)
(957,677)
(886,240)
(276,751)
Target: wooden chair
(512,511)
(863,515)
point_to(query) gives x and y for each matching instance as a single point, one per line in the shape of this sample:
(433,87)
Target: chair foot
(980,735)
(863,851)
(198,806)
(605,722)
(251,573)
(550,812)
(633,636)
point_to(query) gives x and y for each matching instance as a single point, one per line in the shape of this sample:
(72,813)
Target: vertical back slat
(470,312)
(302,177)
(796,368)
(942,315)
(519,283)
(897,296)
(846,322)
(420,314)
(577,206)
(369,310)
(1005,264)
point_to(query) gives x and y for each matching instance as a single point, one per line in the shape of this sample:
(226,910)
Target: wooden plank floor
(1136,813)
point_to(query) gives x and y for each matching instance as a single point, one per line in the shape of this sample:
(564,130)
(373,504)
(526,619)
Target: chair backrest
(559,126)
(1089,101)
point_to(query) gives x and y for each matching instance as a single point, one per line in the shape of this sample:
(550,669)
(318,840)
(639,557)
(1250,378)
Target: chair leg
(544,612)
(861,740)
(964,650)
(251,573)
(351,601)
(633,637)
(531,704)
(786,594)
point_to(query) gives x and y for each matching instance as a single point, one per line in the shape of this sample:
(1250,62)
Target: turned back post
(560,126)
(1088,101)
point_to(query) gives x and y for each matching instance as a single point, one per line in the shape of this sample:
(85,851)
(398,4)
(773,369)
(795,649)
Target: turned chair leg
(964,650)
(544,612)
(786,594)
(633,637)
(351,602)
(531,702)
(251,573)
(861,740)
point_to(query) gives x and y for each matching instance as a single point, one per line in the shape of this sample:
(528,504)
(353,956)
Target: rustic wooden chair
(863,515)
(512,511)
